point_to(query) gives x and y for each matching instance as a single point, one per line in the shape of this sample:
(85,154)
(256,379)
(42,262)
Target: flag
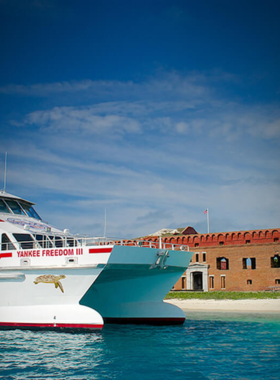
(206,211)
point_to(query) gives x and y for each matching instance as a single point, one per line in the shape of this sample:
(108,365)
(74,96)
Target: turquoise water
(207,346)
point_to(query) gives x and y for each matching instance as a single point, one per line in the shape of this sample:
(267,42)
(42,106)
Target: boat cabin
(25,228)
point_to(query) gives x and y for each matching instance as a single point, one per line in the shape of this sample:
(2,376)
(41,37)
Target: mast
(105,224)
(5,173)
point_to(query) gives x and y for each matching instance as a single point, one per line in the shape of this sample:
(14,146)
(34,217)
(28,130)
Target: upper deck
(13,205)
(22,228)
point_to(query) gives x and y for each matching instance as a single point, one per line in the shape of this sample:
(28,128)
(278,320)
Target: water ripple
(213,348)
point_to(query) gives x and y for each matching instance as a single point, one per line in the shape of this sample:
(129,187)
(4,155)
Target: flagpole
(208,219)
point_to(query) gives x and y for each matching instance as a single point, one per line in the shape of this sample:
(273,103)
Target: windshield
(30,210)
(4,208)
(15,207)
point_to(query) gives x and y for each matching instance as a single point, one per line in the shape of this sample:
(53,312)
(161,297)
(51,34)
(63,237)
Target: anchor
(160,260)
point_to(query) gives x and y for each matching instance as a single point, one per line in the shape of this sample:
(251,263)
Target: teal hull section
(131,287)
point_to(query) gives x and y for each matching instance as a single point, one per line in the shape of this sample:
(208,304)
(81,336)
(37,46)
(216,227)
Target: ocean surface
(208,346)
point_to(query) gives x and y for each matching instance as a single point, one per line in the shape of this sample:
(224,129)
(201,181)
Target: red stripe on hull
(80,326)
(100,250)
(146,321)
(7,254)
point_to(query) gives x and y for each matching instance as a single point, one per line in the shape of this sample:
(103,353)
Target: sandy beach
(263,305)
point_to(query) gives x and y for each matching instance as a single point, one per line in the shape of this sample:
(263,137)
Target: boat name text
(50,252)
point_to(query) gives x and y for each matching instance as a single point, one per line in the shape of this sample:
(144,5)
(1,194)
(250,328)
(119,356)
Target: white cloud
(230,122)
(156,158)
(166,85)
(81,120)
(182,127)
(168,103)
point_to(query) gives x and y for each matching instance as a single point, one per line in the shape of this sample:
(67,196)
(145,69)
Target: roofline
(3,194)
(215,233)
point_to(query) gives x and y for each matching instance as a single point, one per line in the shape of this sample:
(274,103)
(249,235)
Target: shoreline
(257,305)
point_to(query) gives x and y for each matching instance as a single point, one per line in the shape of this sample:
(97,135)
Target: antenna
(5,173)
(105,224)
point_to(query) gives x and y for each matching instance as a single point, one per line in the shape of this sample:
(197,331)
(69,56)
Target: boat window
(6,243)
(39,239)
(25,240)
(42,240)
(51,239)
(4,208)
(30,210)
(71,242)
(15,207)
(58,242)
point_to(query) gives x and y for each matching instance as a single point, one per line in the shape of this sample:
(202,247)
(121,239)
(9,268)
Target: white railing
(135,243)
(60,241)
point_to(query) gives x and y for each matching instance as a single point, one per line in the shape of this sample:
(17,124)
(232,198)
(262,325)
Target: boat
(52,279)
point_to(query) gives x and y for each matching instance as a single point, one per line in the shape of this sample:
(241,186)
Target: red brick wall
(236,277)
(226,238)
(234,246)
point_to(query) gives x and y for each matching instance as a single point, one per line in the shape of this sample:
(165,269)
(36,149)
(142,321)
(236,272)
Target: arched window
(222,263)
(275,261)
(249,263)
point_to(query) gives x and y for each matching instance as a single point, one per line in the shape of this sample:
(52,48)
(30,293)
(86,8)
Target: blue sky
(152,110)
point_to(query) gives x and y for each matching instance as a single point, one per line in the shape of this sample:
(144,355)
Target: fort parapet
(231,261)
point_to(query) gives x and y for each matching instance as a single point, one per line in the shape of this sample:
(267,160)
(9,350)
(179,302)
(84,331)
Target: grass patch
(223,295)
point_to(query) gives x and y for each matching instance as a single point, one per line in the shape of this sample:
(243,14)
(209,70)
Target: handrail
(152,244)
(75,241)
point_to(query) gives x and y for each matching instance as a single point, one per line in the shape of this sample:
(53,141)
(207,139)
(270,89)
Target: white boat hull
(26,303)
(66,317)
(127,287)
